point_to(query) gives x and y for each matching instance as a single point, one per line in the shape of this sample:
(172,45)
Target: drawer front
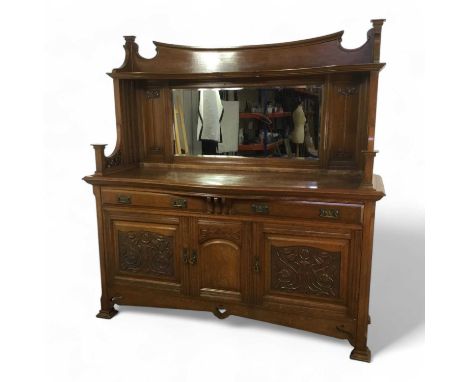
(154,200)
(328,212)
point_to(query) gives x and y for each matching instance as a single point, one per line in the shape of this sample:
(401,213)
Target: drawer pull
(260,208)
(330,213)
(179,203)
(124,199)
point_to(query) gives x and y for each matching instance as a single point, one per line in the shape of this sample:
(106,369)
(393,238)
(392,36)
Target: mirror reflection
(248,122)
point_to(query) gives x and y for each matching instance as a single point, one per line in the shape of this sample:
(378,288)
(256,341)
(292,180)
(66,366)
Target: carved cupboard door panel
(304,270)
(146,251)
(219,260)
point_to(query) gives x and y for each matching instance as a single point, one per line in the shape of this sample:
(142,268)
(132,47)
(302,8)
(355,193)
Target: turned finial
(376,32)
(368,172)
(377,24)
(131,48)
(100,158)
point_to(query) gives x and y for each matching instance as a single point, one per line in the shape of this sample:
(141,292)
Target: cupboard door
(146,252)
(219,260)
(308,271)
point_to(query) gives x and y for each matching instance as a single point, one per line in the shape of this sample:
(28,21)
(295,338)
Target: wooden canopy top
(312,56)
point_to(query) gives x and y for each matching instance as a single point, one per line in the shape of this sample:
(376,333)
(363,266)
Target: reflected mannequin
(299,120)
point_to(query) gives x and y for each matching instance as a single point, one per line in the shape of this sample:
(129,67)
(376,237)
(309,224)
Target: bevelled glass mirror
(278,121)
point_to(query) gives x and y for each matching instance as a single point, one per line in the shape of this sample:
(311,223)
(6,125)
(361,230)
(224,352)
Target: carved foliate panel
(115,160)
(146,253)
(305,270)
(152,93)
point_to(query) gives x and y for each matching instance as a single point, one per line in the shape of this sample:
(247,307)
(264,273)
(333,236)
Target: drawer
(327,212)
(154,200)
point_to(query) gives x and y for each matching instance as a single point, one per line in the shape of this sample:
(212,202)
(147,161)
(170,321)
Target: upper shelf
(312,56)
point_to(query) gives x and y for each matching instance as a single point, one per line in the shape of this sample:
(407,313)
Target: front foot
(107,314)
(361,354)
(220,312)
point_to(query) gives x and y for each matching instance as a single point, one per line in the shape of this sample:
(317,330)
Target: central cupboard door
(220,260)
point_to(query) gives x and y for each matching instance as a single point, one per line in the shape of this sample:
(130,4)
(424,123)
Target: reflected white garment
(229,127)
(210,113)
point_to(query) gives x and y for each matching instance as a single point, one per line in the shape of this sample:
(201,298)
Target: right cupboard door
(305,267)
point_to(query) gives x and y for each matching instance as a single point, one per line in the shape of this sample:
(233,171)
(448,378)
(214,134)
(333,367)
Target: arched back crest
(178,61)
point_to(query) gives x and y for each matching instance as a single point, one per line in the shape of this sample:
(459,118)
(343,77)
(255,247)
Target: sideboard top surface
(260,183)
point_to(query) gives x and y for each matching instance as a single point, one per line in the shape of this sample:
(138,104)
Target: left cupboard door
(147,251)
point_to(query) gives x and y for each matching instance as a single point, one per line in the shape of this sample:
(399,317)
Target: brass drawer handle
(330,213)
(260,208)
(179,203)
(124,199)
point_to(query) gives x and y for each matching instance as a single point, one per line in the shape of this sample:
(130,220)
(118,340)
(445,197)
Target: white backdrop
(51,288)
